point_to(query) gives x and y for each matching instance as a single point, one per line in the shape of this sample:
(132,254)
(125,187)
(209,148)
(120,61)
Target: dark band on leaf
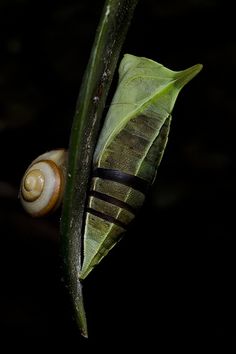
(106,217)
(134,182)
(114,201)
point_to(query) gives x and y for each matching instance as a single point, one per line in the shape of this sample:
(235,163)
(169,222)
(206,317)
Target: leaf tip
(187,75)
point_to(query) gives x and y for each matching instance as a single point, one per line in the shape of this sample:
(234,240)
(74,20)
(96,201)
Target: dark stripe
(106,217)
(124,178)
(113,201)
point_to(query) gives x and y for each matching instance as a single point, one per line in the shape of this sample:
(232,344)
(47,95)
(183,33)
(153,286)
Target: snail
(128,152)
(42,186)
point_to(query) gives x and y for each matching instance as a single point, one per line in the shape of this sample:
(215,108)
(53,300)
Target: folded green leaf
(129,150)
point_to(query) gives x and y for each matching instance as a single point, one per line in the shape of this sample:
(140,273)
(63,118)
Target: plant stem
(110,35)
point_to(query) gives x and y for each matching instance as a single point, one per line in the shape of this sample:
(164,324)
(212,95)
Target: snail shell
(42,185)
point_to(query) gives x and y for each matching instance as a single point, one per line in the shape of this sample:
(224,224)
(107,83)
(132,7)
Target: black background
(170,282)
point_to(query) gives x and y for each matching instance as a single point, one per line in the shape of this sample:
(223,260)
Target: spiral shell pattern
(42,185)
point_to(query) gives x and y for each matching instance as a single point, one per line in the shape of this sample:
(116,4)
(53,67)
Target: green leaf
(143,85)
(132,142)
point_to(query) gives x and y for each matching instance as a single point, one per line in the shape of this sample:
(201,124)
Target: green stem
(110,35)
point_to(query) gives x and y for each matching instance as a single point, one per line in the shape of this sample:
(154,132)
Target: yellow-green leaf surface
(132,141)
(143,85)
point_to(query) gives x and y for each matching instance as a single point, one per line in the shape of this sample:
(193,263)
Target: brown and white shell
(43,183)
